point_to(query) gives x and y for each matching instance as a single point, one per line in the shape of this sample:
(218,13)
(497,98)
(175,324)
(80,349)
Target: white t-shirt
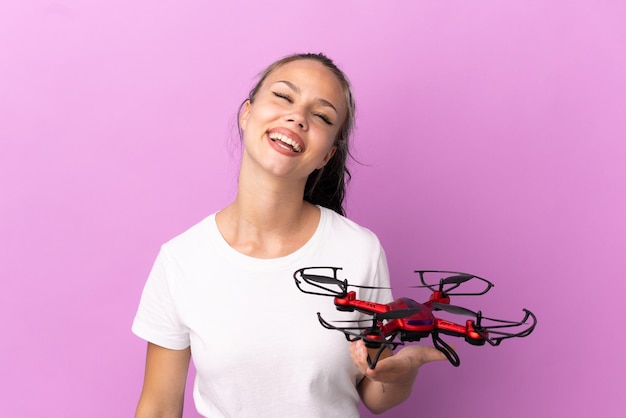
(256,342)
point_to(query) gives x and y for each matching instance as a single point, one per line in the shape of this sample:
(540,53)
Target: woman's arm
(391,382)
(164,383)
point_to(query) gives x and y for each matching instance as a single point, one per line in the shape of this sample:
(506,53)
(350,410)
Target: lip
(291,134)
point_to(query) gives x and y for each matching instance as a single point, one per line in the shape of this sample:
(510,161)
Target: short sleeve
(380,279)
(157,320)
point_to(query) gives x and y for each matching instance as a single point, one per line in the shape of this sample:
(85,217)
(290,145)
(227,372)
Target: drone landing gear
(380,348)
(446,349)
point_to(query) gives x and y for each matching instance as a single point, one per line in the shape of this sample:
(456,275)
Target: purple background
(492,140)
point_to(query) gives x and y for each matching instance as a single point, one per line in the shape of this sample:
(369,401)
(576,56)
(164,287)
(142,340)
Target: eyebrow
(295,88)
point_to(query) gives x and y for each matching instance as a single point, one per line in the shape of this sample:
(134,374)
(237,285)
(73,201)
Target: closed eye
(323,117)
(283,96)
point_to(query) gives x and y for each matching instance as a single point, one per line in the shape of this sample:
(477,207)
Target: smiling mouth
(285,141)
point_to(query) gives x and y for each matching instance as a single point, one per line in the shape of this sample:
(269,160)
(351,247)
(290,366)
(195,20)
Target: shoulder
(348,231)
(340,222)
(195,238)
(358,251)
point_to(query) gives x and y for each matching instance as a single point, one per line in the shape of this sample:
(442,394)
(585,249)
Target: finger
(404,364)
(432,354)
(358,354)
(389,368)
(422,354)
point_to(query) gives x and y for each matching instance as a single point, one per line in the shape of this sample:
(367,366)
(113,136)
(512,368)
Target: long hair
(326,186)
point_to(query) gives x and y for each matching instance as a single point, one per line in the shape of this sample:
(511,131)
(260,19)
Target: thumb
(433,354)
(423,354)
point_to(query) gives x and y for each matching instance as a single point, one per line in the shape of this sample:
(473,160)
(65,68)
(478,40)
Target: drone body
(405,320)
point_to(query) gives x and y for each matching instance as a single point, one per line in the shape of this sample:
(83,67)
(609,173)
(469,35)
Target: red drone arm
(351,303)
(468,331)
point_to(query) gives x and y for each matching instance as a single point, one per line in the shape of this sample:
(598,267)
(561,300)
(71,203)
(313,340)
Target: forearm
(154,409)
(163,390)
(380,397)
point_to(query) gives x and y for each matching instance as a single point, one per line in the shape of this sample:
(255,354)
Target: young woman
(223,291)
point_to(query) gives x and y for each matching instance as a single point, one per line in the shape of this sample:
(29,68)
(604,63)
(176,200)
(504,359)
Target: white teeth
(286,140)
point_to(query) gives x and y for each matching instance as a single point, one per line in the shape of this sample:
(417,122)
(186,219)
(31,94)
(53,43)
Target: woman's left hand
(398,368)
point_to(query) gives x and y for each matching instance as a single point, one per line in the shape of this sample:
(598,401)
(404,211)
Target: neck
(269,217)
(270,202)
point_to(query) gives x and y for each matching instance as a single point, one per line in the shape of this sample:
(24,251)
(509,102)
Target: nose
(300,123)
(298,118)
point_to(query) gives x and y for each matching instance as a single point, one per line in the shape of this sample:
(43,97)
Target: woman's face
(292,123)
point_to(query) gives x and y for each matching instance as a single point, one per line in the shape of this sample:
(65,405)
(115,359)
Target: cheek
(259,118)
(264,109)
(332,138)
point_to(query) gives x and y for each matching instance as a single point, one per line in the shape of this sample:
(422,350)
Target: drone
(405,320)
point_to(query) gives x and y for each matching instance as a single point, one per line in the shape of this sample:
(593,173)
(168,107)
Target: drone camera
(414,336)
(371,344)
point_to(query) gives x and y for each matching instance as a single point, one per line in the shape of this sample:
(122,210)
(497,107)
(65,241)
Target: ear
(245,114)
(327,157)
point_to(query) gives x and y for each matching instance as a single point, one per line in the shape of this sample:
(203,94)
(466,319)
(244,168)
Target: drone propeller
(331,280)
(456,280)
(352,321)
(372,325)
(321,279)
(316,284)
(459,310)
(320,284)
(432,280)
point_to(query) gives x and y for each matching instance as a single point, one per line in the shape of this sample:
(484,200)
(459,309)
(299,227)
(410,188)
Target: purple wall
(493,140)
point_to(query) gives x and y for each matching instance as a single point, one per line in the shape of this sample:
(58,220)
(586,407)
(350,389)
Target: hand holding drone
(405,320)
